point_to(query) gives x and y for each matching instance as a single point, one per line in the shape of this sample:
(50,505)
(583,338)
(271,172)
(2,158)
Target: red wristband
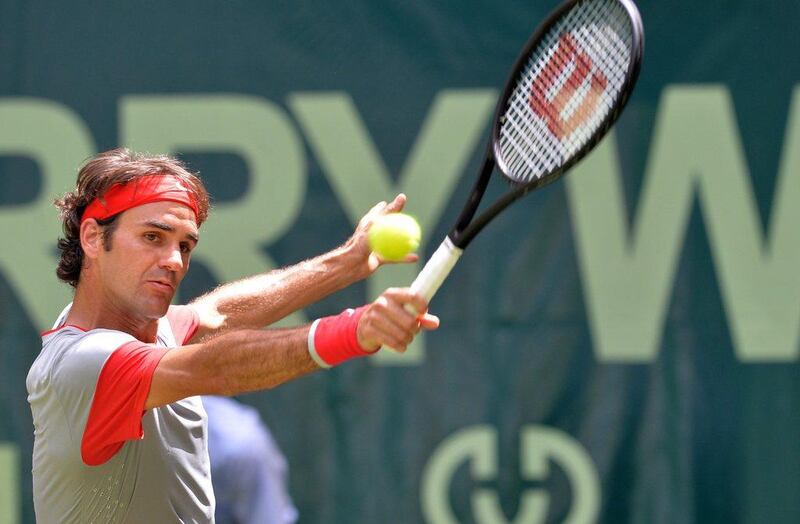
(333,340)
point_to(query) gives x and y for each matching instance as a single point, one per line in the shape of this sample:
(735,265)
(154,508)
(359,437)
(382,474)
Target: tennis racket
(565,91)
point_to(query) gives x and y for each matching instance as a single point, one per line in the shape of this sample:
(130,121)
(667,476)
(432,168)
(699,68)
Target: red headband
(138,192)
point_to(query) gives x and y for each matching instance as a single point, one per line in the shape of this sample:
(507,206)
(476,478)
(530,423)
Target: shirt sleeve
(184,322)
(116,412)
(101,379)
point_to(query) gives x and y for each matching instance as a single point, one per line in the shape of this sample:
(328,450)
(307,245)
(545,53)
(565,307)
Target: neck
(90,310)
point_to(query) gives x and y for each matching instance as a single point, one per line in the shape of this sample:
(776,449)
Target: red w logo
(566,53)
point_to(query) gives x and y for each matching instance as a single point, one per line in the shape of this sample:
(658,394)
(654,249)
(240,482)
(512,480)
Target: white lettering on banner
(9,484)
(627,273)
(628,278)
(58,141)
(260,133)
(540,447)
(353,165)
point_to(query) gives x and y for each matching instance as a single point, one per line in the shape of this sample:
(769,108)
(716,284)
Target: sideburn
(109,226)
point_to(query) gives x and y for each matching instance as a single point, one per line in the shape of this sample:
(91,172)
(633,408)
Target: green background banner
(620,347)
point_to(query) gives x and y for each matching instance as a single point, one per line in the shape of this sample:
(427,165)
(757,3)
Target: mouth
(161,285)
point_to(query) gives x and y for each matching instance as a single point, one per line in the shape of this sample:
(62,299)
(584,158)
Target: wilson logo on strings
(551,107)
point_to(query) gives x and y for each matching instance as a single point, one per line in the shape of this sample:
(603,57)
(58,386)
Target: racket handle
(436,270)
(433,274)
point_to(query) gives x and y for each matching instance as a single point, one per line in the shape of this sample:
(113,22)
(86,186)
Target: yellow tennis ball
(394,236)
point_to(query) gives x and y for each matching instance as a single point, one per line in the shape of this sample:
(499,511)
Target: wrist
(358,257)
(347,264)
(333,340)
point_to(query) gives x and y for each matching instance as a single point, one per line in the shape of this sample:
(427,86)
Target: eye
(186,248)
(150,236)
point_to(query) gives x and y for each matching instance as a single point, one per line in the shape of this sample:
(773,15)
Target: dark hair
(95,178)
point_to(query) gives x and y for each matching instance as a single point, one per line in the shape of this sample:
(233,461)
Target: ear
(91,238)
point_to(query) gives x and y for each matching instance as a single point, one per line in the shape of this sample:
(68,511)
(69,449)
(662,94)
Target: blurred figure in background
(248,471)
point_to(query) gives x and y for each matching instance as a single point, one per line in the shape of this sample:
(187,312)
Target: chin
(158,309)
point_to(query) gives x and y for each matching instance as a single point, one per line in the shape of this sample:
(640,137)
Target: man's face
(148,257)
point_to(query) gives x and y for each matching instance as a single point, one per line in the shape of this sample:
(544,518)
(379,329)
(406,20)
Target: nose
(172,259)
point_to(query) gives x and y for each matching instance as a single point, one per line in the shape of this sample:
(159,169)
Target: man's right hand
(387,321)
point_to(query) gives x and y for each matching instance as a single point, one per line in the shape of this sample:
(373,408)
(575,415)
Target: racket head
(566,89)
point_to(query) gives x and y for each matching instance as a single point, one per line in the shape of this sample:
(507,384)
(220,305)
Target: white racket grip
(433,274)
(436,270)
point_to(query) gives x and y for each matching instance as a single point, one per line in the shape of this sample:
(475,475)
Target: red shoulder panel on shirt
(184,322)
(59,328)
(119,398)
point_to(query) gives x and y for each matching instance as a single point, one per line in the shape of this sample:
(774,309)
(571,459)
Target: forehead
(175,215)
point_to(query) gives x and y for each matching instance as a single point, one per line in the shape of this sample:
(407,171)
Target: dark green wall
(703,430)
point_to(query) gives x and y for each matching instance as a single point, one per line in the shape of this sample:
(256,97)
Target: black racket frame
(465,228)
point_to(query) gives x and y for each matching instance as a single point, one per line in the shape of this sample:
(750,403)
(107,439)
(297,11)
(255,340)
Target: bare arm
(258,301)
(250,360)
(236,362)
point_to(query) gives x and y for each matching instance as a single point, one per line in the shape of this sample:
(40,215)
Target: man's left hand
(359,244)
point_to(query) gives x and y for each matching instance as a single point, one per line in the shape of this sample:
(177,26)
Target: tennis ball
(394,236)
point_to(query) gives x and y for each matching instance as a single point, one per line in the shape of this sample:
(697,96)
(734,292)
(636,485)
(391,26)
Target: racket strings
(557,115)
(568,86)
(565,68)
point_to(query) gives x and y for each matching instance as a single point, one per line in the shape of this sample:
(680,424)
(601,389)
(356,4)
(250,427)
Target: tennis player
(120,432)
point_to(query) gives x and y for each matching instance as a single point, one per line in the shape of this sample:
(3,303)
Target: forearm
(249,360)
(261,300)
(233,363)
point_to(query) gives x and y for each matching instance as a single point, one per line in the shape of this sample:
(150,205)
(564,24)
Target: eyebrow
(166,227)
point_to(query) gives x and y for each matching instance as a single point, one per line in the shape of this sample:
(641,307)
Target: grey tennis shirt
(163,477)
